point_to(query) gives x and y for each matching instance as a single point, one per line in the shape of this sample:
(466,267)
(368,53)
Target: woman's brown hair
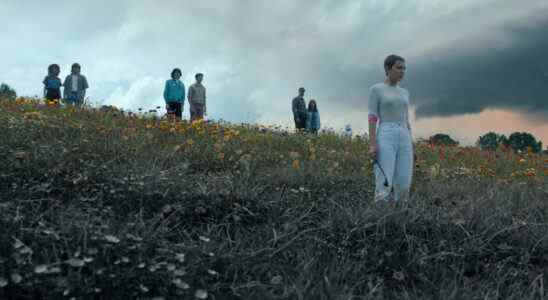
(390,61)
(312,106)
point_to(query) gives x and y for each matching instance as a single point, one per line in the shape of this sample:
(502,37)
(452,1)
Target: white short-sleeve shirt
(389,103)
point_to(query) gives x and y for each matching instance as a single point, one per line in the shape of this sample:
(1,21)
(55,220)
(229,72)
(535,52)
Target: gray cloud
(508,76)
(256,53)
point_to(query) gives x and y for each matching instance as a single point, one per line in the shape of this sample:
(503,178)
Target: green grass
(96,205)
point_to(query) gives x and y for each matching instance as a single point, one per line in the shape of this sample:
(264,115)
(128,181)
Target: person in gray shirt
(197,98)
(391,142)
(75,85)
(300,113)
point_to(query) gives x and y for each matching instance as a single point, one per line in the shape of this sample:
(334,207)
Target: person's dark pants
(196,112)
(53,94)
(300,124)
(175,109)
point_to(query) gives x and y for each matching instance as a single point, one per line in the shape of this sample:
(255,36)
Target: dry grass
(105,206)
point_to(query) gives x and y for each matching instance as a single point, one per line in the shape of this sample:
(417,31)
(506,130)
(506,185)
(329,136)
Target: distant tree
(6,92)
(491,141)
(521,141)
(443,139)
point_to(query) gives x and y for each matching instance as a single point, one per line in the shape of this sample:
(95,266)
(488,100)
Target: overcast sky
(466,59)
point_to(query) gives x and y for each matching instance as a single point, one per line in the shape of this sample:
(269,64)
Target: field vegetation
(100,204)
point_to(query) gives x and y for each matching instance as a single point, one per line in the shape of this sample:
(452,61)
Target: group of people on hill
(390,144)
(174,96)
(306,118)
(75,85)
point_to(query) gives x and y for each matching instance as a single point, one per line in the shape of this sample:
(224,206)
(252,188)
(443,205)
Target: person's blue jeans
(73,98)
(395,156)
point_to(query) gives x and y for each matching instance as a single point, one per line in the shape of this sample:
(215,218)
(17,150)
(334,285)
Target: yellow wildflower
(32,115)
(435,170)
(294,154)
(530,172)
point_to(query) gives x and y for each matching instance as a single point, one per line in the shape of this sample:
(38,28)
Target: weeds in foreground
(97,204)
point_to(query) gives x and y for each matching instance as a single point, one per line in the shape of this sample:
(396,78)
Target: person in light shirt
(75,85)
(391,146)
(197,98)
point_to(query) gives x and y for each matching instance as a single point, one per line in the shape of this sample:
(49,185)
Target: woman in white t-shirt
(391,144)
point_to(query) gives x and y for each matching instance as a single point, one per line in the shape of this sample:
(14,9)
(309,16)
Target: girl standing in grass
(174,94)
(52,83)
(391,144)
(313,118)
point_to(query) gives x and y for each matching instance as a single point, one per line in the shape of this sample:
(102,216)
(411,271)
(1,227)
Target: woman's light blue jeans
(395,156)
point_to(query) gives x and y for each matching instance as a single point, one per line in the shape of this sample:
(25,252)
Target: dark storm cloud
(492,75)
(255,54)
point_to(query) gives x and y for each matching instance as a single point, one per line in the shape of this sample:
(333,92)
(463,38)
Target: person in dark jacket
(313,118)
(300,113)
(75,85)
(52,83)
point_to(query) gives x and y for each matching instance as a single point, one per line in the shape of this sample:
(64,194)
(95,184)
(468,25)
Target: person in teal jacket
(52,83)
(313,118)
(174,94)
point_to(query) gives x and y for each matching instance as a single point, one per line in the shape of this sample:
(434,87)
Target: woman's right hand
(373,149)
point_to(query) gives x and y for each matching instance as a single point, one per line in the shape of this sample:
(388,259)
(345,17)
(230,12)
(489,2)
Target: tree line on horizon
(491,141)
(517,141)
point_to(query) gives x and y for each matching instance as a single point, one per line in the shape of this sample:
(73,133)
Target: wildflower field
(107,205)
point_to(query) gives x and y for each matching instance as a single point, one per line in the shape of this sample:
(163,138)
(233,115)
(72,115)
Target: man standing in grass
(197,98)
(300,112)
(75,85)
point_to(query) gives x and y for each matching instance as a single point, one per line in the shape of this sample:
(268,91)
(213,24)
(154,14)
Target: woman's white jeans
(395,156)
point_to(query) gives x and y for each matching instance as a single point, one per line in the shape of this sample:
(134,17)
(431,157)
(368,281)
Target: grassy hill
(102,205)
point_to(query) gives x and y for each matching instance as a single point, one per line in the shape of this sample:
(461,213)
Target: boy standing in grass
(197,98)
(174,94)
(52,84)
(300,113)
(75,86)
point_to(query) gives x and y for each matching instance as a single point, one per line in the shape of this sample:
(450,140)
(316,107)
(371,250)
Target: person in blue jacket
(52,83)
(174,94)
(313,118)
